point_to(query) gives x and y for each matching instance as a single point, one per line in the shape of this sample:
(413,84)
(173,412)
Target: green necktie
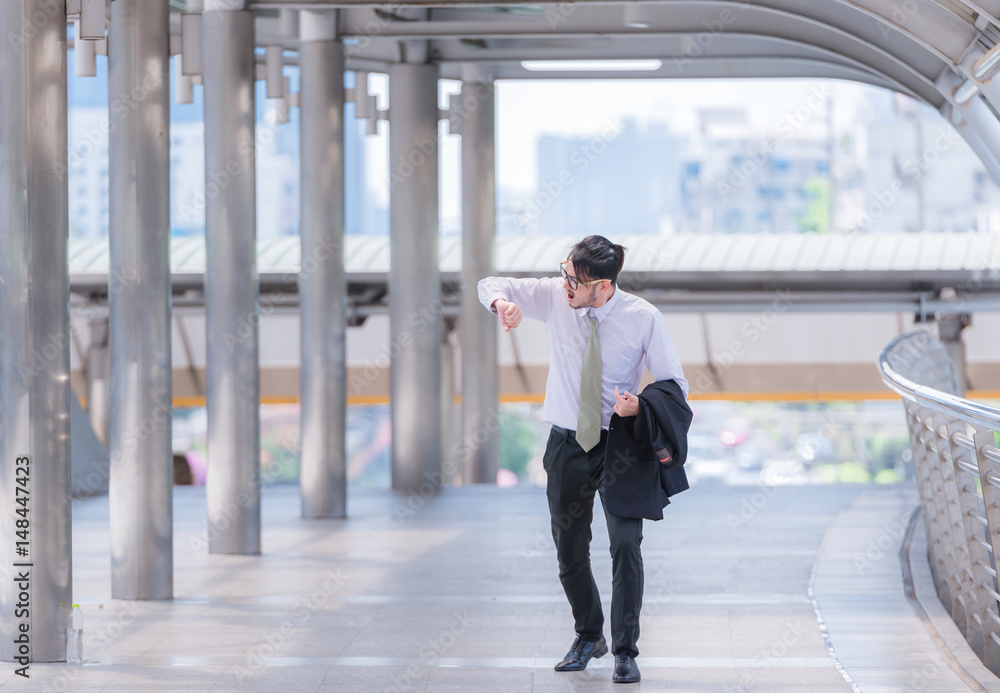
(588,422)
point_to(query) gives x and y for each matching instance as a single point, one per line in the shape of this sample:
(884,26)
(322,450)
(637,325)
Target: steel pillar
(449,421)
(140,488)
(950,326)
(98,370)
(34,331)
(480,388)
(322,281)
(231,282)
(414,279)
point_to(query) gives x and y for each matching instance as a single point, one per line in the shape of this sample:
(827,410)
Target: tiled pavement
(459,593)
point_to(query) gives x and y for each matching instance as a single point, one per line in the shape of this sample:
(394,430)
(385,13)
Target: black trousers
(574,477)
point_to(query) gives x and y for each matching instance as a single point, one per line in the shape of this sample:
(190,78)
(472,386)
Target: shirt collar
(600,312)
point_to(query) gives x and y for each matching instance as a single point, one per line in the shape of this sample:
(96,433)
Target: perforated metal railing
(954,442)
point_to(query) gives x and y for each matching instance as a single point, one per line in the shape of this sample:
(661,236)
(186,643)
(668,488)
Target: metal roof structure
(880,42)
(937,51)
(941,252)
(681,273)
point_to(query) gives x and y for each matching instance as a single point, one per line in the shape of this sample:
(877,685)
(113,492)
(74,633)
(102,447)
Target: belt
(561,432)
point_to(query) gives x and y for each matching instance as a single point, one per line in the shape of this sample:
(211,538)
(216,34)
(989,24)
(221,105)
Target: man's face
(582,296)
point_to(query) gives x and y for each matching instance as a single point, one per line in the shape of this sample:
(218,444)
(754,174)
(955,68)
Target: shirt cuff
(493,308)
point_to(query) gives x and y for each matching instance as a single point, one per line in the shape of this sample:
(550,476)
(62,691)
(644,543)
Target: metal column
(322,282)
(140,488)
(34,330)
(480,404)
(98,369)
(231,283)
(449,422)
(950,326)
(414,279)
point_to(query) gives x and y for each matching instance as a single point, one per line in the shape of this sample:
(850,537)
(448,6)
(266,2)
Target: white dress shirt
(633,337)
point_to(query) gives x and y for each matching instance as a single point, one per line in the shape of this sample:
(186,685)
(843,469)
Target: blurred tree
(517,440)
(817,217)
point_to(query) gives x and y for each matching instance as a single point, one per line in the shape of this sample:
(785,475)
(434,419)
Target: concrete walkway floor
(752,589)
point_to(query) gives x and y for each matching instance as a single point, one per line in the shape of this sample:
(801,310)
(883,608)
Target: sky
(530,109)
(527,110)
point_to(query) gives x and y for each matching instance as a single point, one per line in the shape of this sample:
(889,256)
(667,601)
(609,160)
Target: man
(601,338)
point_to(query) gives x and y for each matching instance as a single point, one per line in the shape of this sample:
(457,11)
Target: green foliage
(817,217)
(887,476)
(886,451)
(517,441)
(852,473)
(279,458)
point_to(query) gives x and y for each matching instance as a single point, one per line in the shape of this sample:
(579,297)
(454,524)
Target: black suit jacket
(645,454)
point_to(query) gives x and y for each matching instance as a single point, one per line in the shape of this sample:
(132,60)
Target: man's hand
(509,314)
(627,404)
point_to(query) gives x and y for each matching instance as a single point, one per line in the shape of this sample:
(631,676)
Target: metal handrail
(953,442)
(973,412)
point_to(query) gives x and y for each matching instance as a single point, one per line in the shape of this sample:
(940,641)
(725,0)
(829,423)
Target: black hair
(595,257)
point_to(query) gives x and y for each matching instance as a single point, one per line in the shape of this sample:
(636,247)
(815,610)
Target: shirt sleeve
(535,297)
(661,356)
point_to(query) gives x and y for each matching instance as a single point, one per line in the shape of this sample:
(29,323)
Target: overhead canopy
(972,254)
(693,272)
(898,45)
(927,49)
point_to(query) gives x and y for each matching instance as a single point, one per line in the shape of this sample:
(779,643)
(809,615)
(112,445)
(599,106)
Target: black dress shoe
(626,670)
(582,652)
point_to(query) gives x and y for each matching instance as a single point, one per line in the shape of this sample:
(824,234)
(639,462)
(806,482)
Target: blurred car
(782,472)
(814,448)
(749,456)
(706,460)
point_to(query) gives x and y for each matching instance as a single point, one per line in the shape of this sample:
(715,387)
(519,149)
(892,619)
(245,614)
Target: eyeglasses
(573,282)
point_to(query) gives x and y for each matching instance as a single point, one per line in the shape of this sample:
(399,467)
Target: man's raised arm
(508,298)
